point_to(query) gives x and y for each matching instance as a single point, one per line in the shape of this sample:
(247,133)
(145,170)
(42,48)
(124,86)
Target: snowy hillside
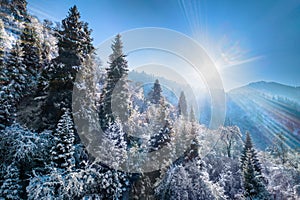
(266,109)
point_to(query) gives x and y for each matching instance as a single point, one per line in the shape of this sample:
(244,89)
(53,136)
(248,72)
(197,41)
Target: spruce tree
(74,45)
(31,55)
(114,138)
(84,103)
(48,50)
(11,188)
(249,177)
(160,142)
(13,85)
(116,86)
(248,148)
(63,150)
(254,187)
(192,116)
(74,42)
(182,105)
(16,73)
(155,94)
(253,181)
(69,59)
(161,138)
(158,117)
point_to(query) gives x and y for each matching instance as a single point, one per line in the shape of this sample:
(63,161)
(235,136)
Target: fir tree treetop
(116,47)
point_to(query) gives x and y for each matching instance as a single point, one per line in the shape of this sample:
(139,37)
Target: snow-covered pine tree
(25,148)
(194,147)
(253,186)
(161,138)
(74,43)
(182,106)
(48,45)
(248,148)
(117,156)
(62,152)
(253,182)
(116,80)
(31,48)
(84,103)
(160,144)
(11,188)
(87,43)
(161,127)
(12,87)
(16,72)
(192,116)
(155,94)
(115,139)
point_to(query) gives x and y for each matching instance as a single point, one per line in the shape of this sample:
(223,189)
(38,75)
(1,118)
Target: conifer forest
(77,124)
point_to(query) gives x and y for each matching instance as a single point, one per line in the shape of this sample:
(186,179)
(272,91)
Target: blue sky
(248,40)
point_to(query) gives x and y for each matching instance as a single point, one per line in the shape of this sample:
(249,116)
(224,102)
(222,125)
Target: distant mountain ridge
(275,88)
(266,109)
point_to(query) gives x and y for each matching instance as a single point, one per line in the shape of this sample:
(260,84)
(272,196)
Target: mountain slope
(262,108)
(266,109)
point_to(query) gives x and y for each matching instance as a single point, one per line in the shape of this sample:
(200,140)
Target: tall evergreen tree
(248,148)
(47,52)
(115,92)
(158,116)
(192,116)
(63,150)
(254,187)
(253,181)
(84,104)
(160,142)
(31,55)
(12,86)
(74,42)
(182,105)
(155,94)
(74,45)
